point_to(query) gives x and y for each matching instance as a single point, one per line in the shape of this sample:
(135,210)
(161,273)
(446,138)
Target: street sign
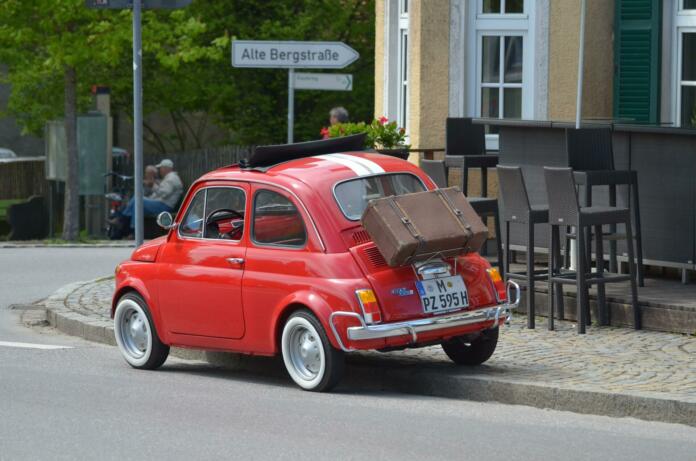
(292,55)
(330,82)
(128,4)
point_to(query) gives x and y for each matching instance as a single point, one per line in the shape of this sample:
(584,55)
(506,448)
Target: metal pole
(291,104)
(138,121)
(581,61)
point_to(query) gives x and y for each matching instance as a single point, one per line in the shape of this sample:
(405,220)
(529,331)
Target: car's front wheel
(136,335)
(311,360)
(465,351)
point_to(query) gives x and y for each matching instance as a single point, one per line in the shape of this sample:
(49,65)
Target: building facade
(519,59)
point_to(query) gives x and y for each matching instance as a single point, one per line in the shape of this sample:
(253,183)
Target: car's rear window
(352,195)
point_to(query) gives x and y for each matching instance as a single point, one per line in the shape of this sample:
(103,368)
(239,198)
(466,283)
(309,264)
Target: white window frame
(500,24)
(685,22)
(403,61)
(396,26)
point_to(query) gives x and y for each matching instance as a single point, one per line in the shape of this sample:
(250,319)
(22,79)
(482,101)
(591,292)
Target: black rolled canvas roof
(266,156)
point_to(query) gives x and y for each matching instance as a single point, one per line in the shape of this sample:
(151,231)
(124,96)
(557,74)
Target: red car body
(236,295)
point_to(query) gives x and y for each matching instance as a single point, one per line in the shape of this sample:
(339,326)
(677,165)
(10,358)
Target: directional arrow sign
(331,82)
(128,4)
(292,55)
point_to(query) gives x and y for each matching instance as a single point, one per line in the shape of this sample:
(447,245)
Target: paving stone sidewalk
(613,371)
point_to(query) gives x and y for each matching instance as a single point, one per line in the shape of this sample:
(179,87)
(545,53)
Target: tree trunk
(71,212)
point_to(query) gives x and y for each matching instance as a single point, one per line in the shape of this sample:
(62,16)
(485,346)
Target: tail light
(498,284)
(369,306)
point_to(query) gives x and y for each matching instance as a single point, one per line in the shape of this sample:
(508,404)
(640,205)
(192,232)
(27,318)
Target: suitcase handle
(453,209)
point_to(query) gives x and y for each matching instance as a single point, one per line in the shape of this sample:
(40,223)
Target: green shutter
(637,60)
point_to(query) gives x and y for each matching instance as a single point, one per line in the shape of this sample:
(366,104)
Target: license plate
(443,294)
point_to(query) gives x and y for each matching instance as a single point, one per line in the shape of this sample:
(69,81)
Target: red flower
(383,120)
(324,133)
(402,131)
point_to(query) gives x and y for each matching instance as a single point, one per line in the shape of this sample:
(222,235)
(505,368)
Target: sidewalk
(609,371)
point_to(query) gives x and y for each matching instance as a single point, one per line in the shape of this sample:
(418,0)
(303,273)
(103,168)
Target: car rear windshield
(352,196)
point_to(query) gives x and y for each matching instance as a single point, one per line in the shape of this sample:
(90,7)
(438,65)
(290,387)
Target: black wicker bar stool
(591,156)
(465,148)
(484,206)
(517,209)
(564,210)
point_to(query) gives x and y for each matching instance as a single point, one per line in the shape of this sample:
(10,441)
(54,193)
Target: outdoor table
(664,159)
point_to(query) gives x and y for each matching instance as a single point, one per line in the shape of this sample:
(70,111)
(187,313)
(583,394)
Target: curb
(364,372)
(123,244)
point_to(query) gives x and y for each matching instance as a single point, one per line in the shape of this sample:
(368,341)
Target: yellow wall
(429,77)
(564,24)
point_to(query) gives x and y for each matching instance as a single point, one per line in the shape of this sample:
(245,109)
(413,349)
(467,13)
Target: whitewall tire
(310,359)
(136,335)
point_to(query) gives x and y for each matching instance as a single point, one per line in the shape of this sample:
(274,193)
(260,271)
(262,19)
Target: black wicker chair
(484,206)
(465,148)
(591,156)
(564,210)
(515,208)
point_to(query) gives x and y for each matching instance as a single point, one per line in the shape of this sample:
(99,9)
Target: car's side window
(192,224)
(277,221)
(224,213)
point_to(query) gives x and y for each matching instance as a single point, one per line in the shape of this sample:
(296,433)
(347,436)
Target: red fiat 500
(269,257)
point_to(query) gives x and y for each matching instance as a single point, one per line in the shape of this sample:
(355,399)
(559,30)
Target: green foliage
(381,133)
(186,64)
(253,102)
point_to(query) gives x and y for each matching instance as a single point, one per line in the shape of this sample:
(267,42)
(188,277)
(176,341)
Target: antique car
(269,257)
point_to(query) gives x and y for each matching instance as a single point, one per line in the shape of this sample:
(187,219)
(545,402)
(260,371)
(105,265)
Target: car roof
(319,172)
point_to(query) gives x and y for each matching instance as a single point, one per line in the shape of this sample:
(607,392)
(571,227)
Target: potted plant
(382,135)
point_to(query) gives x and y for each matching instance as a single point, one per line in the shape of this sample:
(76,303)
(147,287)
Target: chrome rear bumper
(414,327)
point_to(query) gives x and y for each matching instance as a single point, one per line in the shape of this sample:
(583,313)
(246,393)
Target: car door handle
(236,261)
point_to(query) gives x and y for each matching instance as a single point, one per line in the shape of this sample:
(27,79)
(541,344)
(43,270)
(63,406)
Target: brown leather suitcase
(414,227)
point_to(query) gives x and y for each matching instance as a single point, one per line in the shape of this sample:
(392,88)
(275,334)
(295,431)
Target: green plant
(381,133)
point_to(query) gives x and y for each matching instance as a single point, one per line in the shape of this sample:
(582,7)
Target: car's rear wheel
(136,335)
(311,360)
(465,351)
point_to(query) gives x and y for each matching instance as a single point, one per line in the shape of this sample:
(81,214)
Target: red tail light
(498,284)
(369,306)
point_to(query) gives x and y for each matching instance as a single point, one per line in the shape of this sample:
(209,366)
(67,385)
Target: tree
(252,103)
(43,45)
(55,51)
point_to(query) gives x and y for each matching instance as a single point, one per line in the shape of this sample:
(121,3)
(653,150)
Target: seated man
(164,195)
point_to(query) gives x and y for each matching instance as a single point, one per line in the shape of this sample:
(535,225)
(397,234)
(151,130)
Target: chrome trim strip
(413,327)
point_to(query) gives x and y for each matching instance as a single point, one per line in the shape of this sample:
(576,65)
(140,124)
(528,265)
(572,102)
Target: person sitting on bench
(164,195)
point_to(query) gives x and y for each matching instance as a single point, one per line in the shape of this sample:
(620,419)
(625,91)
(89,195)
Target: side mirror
(165,220)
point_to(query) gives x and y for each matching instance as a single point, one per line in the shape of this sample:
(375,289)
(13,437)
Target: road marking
(31,345)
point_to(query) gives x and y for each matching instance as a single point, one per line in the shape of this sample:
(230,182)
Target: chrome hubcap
(305,352)
(134,333)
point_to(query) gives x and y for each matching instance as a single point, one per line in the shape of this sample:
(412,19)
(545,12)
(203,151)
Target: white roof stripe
(369,164)
(357,168)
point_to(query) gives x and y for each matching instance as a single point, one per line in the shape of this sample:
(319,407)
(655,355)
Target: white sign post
(296,55)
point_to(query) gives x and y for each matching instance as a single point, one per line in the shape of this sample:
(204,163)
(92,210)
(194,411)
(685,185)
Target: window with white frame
(501,59)
(685,101)
(397,65)
(402,98)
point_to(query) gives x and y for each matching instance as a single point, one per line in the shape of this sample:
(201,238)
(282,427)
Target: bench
(4,223)
(27,219)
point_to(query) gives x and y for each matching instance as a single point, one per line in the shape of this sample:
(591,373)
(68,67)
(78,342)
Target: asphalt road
(84,402)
